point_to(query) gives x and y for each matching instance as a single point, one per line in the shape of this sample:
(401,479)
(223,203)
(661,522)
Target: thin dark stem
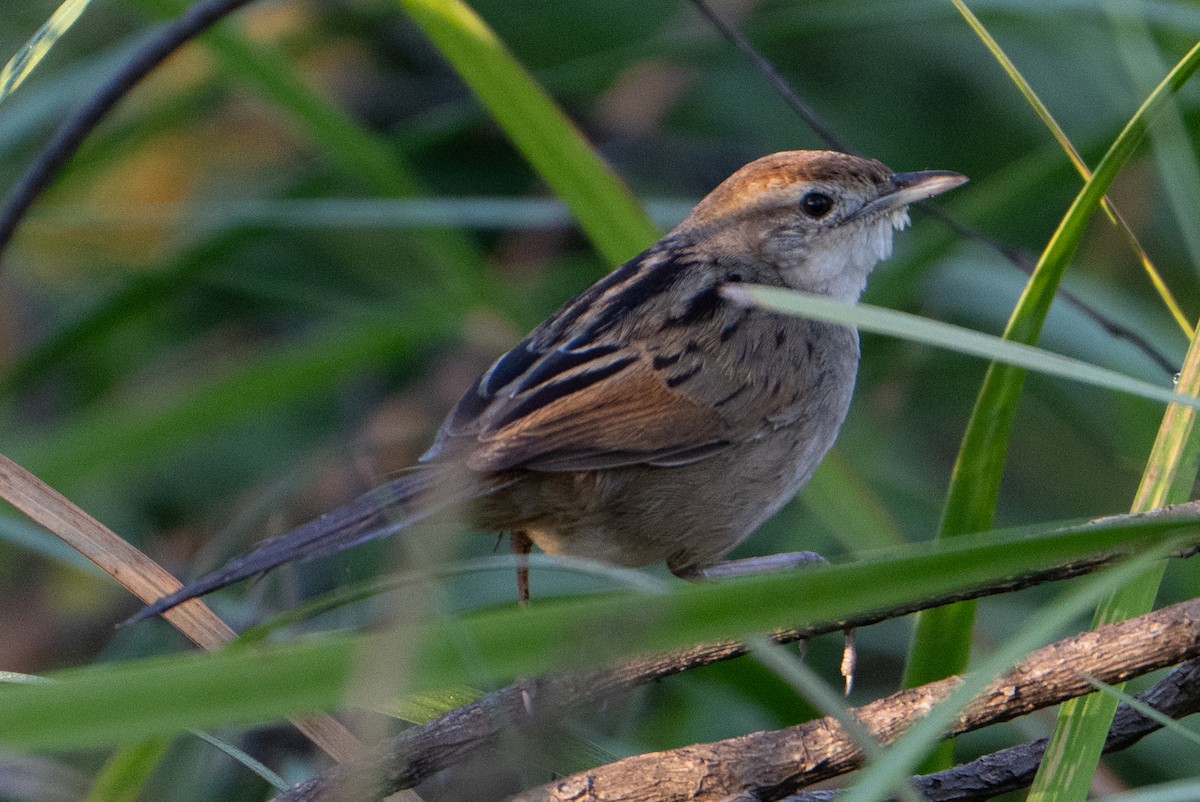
(780,84)
(72,131)
(1026,264)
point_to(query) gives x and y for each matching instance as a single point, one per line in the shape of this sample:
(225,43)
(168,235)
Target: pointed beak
(909,188)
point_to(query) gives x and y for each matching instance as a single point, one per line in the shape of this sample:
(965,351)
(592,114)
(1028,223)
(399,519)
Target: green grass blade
(484,213)
(119,436)
(608,213)
(20,65)
(358,152)
(1082,726)
(1060,136)
(126,771)
(239,755)
(954,338)
(904,755)
(1180,791)
(1174,726)
(849,509)
(1170,141)
(125,702)
(1075,747)
(942,640)
(807,683)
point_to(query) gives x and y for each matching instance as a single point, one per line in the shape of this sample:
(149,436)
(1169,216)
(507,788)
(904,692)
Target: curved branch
(769,765)
(1012,769)
(418,753)
(71,132)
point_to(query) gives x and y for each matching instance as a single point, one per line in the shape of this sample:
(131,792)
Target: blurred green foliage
(201,346)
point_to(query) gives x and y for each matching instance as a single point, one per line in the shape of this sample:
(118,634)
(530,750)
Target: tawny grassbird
(651,419)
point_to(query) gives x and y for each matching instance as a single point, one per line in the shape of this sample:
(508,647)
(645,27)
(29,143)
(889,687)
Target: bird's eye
(816,204)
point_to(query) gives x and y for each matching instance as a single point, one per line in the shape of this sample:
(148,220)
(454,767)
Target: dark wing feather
(626,416)
(584,391)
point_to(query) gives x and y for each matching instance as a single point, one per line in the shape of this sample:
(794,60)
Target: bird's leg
(521,547)
(849,659)
(750,566)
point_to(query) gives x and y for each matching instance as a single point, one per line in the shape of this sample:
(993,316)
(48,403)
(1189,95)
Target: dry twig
(770,765)
(145,579)
(418,753)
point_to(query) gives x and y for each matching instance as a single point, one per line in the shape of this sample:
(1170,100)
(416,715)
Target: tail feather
(383,511)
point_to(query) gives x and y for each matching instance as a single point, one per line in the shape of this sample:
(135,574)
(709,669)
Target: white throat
(838,266)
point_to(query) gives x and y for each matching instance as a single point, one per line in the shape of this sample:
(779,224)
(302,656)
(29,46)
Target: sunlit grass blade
(903,756)
(942,641)
(955,338)
(30,55)
(18,678)
(608,213)
(125,772)
(1043,113)
(118,703)
(1078,740)
(1174,726)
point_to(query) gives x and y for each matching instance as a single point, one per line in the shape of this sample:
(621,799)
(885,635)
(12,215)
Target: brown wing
(625,418)
(647,366)
(569,411)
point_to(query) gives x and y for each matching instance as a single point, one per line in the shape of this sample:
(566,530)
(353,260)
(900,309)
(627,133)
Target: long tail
(400,503)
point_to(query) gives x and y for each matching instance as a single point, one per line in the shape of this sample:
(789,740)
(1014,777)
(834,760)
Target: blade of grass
(27,115)
(941,643)
(20,65)
(1170,141)
(1060,136)
(848,508)
(945,335)
(240,756)
(483,213)
(1174,726)
(118,437)
(126,771)
(903,755)
(1074,750)
(608,213)
(142,577)
(807,683)
(1179,791)
(122,702)
(360,153)
(1075,747)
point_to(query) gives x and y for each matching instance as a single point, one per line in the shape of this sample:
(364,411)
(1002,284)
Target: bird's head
(821,218)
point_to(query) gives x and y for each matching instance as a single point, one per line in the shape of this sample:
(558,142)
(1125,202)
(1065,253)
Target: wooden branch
(144,578)
(772,764)
(418,753)
(1012,769)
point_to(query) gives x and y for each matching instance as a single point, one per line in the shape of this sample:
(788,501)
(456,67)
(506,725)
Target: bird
(651,418)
